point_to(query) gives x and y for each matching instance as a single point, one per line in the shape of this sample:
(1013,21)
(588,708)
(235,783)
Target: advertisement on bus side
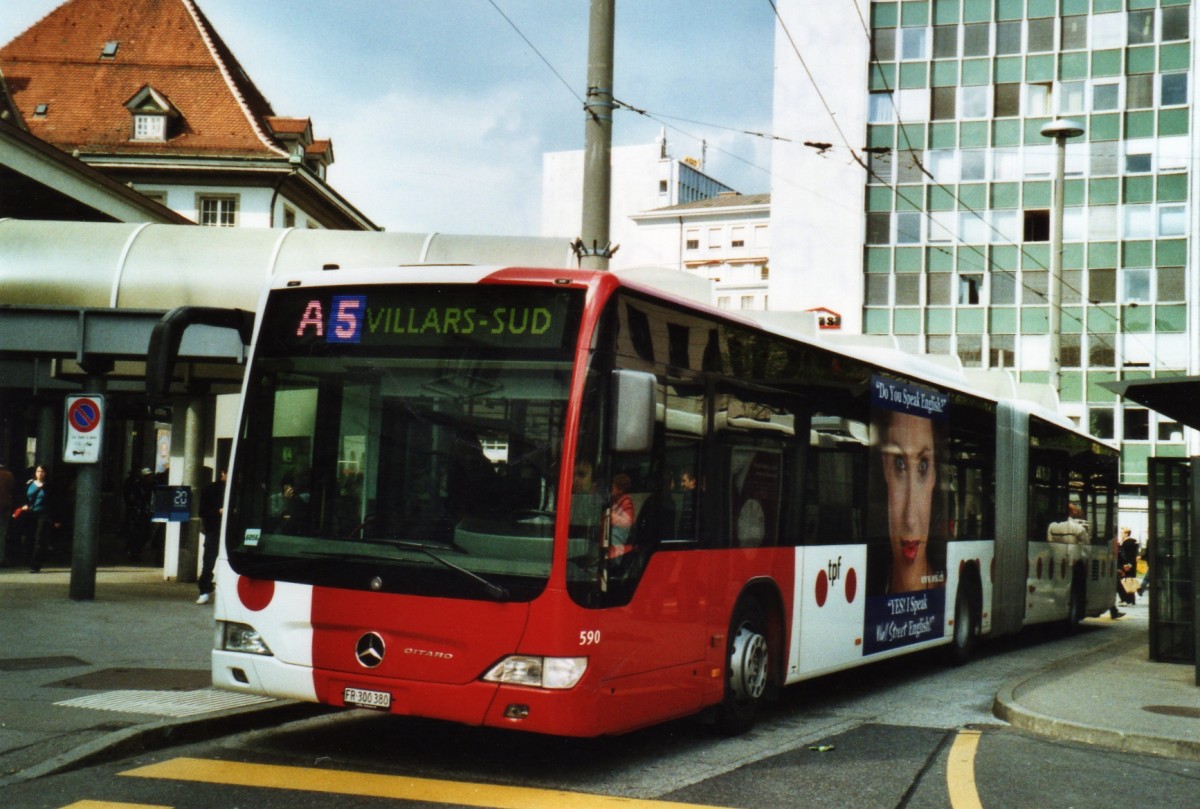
(908,515)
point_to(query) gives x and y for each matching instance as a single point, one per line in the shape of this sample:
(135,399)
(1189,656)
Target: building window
(880,109)
(218,211)
(158,196)
(1102,286)
(1137,424)
(662,186)
(1100,422)
(1037,226)
(943,107)
(1001,351)
(883,44)
(977,39)
(1008,37)
(1108,31)
(722,301)
(1137,285)
(1175,23)
(1139,91)
(150,127)
(692,240)
(747,302)
(1174,89)
(1007,100)
(908,227)
(1141,26)
(1105,96)
(969,287)
(945,42)
(714,238)
(912,44)
(1037,100)
(1172,220)
(109,51)
(1041,35)
(289,217)
(1074,32)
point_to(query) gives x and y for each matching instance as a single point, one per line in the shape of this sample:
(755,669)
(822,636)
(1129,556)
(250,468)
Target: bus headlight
(538,672)
(241,638)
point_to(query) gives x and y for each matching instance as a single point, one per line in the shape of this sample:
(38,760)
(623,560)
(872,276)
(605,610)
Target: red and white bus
(567,502)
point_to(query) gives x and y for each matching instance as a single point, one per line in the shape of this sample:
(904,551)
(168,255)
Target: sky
(440,111)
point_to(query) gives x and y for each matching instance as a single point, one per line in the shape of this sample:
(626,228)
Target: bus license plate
(367,699)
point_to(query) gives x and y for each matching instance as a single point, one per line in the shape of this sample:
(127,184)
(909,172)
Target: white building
(724,239)
(643,178)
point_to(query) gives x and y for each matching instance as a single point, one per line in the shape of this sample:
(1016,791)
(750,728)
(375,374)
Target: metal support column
(193,467)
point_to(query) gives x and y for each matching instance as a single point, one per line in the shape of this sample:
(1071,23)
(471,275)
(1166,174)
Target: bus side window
(835,480)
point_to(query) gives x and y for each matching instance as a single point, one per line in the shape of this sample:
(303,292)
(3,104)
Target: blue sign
(172,503)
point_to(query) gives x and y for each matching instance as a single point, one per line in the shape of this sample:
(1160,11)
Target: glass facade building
(956,238)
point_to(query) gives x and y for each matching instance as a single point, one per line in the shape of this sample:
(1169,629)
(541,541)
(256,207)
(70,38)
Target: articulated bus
(566,502)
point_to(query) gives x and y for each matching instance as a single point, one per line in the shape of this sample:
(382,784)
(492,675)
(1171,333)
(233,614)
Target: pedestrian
(37,517)
(138,491)
(1127,558)
(1113,612)
(6,504)
(212,505)
(1146,573)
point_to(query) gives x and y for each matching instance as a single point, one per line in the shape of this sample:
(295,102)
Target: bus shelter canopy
(1175,397)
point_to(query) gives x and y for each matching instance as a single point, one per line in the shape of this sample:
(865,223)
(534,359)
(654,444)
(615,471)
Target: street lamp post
(1059,129)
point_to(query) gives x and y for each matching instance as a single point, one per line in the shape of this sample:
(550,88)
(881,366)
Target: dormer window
(152,115)
(149,127)
(40,110)
(109,51)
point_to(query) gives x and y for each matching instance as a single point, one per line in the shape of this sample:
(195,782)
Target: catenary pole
(593,247)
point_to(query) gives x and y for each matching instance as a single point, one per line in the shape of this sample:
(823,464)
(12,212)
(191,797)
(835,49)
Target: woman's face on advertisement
(910,473)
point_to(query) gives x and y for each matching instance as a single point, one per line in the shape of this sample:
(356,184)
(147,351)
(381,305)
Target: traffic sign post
(84,428)
(83,431)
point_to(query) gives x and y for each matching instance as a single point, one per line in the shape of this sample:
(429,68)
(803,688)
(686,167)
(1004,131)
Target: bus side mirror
(633,411)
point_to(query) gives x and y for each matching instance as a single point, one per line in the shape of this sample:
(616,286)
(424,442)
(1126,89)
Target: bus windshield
(422,463)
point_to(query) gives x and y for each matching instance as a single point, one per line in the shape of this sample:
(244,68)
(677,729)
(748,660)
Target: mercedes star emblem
(369,650)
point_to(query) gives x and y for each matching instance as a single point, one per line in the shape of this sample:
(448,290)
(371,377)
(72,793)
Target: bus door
(831,562)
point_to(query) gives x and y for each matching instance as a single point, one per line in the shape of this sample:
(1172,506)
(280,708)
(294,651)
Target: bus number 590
(589,637)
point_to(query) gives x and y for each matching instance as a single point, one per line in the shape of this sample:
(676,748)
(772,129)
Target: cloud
(413,162)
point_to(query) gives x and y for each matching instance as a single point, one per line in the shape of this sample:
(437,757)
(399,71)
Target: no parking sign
(84,427)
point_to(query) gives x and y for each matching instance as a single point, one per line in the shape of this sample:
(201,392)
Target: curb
(160,735)
(1007,707)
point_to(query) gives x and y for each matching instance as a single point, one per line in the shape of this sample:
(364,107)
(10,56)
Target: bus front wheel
(746,669)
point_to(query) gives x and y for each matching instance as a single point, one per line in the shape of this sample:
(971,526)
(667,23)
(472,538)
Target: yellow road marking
(960,771)
(399,787)
(112,804)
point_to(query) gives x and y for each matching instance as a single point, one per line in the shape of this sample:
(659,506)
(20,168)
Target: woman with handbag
(35,517)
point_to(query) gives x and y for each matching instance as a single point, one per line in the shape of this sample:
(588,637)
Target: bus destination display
(422,316)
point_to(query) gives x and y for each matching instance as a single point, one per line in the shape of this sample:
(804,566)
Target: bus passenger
(909,453)
(620,515)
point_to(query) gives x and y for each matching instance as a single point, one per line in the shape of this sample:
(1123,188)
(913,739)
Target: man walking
(212,503)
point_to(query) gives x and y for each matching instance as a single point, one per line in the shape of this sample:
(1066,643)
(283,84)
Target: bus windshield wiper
(494,590)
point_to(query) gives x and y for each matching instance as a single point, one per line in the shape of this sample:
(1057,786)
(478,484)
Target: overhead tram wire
(658,116)
(539,54)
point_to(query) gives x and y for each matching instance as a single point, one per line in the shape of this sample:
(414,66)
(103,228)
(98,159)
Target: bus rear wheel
(966,624)
(746,669)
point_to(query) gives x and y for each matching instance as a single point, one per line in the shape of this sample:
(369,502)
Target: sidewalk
(1111,697)
(129,671)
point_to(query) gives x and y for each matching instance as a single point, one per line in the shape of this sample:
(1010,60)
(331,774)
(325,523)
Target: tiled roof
(166,44)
